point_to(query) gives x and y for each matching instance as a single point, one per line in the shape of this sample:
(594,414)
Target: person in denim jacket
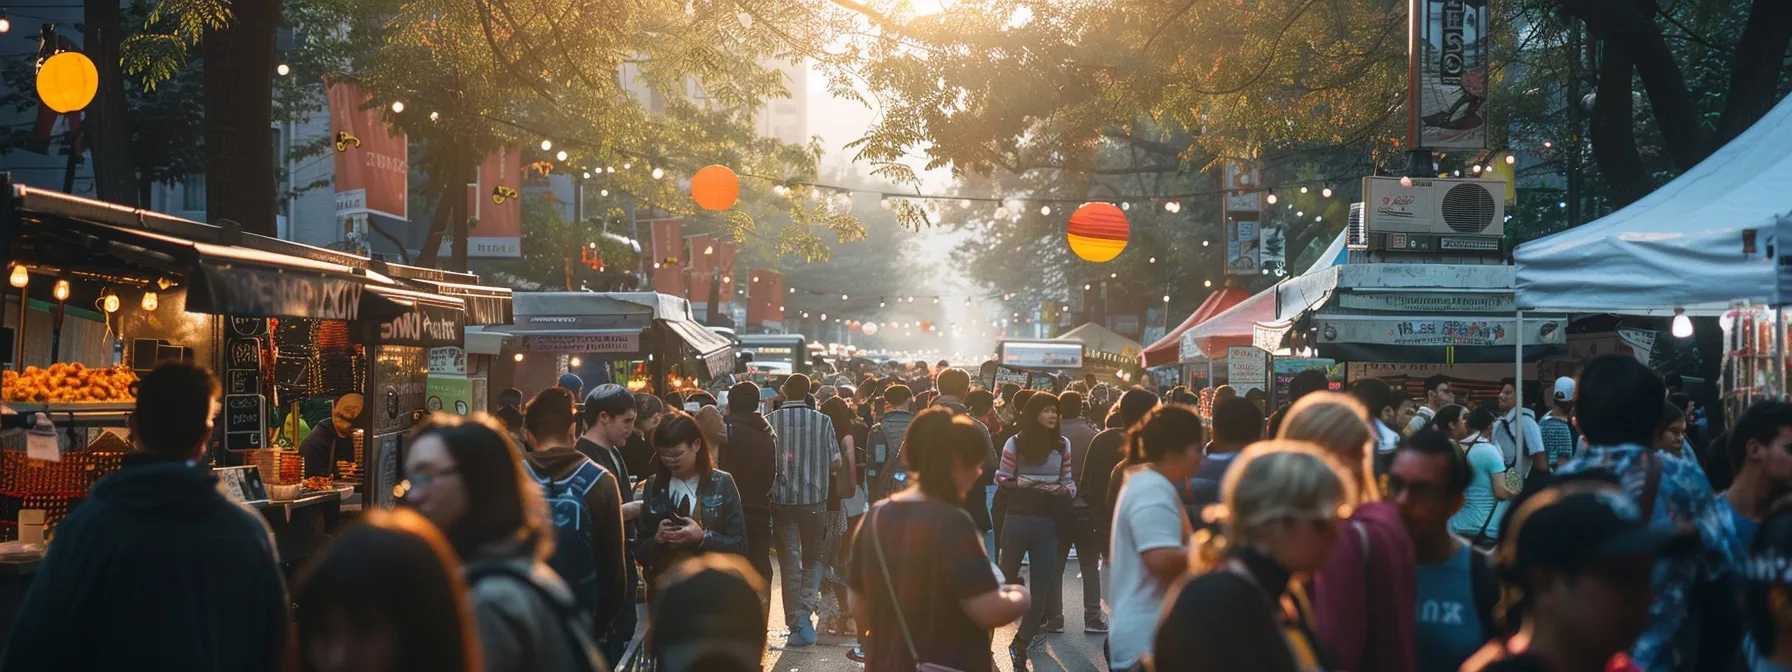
(688,506)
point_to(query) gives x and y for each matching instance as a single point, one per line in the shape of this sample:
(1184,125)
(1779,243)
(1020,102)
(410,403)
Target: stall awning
(1102,347)
(564,311)
(485,305)
(1233,327)
(716,352)
(428,320)
(1169,348)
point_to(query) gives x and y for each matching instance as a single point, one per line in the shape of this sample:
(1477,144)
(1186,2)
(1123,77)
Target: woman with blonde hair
(1366,594)
(1283,503)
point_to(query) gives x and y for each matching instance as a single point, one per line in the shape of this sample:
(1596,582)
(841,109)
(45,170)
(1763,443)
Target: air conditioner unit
(1457,215)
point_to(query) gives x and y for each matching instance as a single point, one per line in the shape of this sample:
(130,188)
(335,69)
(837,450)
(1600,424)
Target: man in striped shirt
(808,454)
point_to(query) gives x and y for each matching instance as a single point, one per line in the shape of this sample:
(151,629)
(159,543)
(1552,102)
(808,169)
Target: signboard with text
(1452,55)
(1500,302)
(245,421)
(1247,368)
(624,343)
(1438,332)
(1042,355)
(495,205)
(372,164)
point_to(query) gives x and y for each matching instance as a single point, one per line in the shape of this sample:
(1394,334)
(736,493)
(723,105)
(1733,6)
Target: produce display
(69,383)
(318,483)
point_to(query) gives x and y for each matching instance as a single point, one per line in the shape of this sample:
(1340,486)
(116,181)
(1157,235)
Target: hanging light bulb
(1405,181)
(1476,169)
(1326,192)
(517,357)
(282,70)
(1206,283)
(398,107)
(1205,243)
(575,361)
(1511,159)
(586,175)
(1682,324)
(110,303)
(843,297)
(1125,206)
(1547,144)
(561,155)
(658,173)
(547,145)
(610,169)
(824,317)
(603,193)
(792,290)
(1303,190)
(434,116)
(1045,210)
(20,277)
(60,291)
(1271,198)
(150,301)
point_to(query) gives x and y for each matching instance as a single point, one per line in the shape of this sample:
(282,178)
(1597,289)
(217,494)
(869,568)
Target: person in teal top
(1760,450)
(1482,507)
(1456,586)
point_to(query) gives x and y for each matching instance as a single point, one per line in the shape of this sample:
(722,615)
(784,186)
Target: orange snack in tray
(69,383)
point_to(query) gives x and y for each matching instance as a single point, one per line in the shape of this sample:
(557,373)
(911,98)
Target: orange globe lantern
(67,82)
(1098,232)
(715,188)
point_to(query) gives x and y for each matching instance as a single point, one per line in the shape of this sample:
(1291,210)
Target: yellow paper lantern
(67,81)
(715,188)
(1098,232)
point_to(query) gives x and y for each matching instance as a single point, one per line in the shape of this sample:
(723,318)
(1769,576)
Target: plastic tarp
(1167,349)
(1679,247)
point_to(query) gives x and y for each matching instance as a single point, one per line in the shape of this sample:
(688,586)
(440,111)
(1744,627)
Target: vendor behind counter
(328,444)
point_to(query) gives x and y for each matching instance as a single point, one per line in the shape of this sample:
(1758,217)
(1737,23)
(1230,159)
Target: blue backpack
(573,549)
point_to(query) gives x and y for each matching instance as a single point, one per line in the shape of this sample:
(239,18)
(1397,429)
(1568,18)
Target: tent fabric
(1680,246)
(1100,338)
(1233,327)
(1166,350)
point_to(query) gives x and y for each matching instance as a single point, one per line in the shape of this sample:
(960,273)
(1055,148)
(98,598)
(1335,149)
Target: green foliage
(171,29)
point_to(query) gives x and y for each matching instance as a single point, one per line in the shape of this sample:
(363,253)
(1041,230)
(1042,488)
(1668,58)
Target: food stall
(644,340)
(1105,353)
(1036,363)
(1166,353)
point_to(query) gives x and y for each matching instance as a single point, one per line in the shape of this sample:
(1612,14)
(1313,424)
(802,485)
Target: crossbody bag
(883,566)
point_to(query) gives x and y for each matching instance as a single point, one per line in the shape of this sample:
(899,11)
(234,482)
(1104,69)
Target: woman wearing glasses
(1284,502)
(688,506)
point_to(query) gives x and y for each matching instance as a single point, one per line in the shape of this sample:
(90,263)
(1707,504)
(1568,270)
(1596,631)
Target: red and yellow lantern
(715,188)
(1098,232)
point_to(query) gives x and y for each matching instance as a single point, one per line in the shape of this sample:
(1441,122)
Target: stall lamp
(517,357)
(575,361)
(20,276)
(61,290)
(110,303)
(1682,324)
(150,301)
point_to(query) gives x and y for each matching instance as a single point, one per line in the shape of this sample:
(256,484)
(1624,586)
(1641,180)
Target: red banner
(765,304)
(497,206)
(702,253)
(668,261)
(725,259)
(372,164)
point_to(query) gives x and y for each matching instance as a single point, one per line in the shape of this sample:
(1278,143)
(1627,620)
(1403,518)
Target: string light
(398,107)
(1405,181)
(575,361)
(658,173)
(1682,324)
(110,303)
(1476,169)
(282,70)
(561,155)
(1511,159)
(1271,199)
(1206,283)
(1152,260)
(1326,192)
(1125,206)
(20,277)
(547,145)
(1173,207)
(60,291)
(604,193)
(434,116)
(1303,190)
(1045,210)
(5,23)
(517,357)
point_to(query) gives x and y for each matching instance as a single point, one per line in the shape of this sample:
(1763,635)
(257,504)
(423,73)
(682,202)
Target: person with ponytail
(1036,475)
(1151,529)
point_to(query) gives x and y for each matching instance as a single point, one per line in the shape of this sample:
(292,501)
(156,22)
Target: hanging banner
(372,164)
(1242,184)
(765,298)
(1272,245)
(1247,368)
(668,261)
(495,206)
(1242,248)
(1428,303)
(725,260)
(1641,341)
(426,326)
(1450,58)
(702,253)
(1471,331)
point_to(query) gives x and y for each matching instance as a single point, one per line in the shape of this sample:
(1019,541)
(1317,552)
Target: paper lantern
(870,328)
(1098,232)
(67,81)
(715,188)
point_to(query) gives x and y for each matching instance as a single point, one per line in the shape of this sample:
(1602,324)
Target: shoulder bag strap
(1651,484)
(883,566)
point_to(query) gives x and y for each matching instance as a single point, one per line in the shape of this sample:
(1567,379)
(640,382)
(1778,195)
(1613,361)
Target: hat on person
(1575,524)
(1564,389)
(572,382)
(707,613)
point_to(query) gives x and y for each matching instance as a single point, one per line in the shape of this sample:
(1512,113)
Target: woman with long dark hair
(920,579)
(843,514)
(1036,474)
(386,595)
(466,476)
(689,506)
(1451,421)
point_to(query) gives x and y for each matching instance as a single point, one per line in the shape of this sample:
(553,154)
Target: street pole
(1418,158)
(1572,146)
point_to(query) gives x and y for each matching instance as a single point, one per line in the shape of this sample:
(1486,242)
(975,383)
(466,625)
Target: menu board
(245,422)
(1247,368)
(1286,368)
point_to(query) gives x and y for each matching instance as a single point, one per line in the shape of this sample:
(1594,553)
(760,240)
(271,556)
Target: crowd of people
(1355,531)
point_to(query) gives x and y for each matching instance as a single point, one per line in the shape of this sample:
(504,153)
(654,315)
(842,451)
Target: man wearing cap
(1559,437)
(1576,561)
(1694,622)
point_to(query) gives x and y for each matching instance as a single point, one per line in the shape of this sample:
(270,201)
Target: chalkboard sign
(245,421)
(243,382)
(248,326)
(245,354)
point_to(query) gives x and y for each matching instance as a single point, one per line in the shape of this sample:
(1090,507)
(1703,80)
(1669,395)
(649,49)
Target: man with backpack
(885,473)
(1457,588)
(1560,440)
(586,503)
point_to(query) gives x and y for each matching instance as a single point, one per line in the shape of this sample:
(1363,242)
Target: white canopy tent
(1679,247)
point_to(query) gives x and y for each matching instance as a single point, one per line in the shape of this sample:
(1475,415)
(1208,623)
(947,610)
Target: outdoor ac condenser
(1434,214)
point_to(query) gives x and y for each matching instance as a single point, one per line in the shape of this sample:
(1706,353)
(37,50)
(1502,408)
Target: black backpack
(574,553)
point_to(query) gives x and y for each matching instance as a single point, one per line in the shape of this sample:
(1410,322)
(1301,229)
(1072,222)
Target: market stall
(1105,353)
(1166,353)
(645,340)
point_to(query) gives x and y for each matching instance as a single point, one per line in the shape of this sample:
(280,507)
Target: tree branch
(1755,72)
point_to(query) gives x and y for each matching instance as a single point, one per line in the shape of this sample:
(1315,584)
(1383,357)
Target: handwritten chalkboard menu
(244,354)
(245,421)
(248,326)
(243,382)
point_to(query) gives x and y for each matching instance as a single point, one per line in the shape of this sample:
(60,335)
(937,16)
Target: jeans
(989,535)
(801,530)
(1036,536)
(759,544)
(1080,530)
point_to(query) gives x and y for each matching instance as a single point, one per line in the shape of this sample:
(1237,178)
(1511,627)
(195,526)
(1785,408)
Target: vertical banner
(765,298)
(496,229)
(667,262)
(1449,71)
(1242,184)
(703,264)
(372,164)
(1242,247)
(1272,246)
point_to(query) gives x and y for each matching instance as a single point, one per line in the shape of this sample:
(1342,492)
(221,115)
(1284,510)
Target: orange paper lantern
(67,82)
(715,188)
(1098,232)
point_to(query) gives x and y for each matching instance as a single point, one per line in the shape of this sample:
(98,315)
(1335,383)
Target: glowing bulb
(5,23)
(1511,159)
(150,302)
(1476,170)
(1045,210)
(843,297)
(755,278)
(110,303)
(434,116)
(936,299)
(1547,144)
(575,361)
(727,280)
(61,290)
(709,249)
(1114,275)
(1303,190)
(1166,298)
(1271,198)
(1125,206)
(561,155)
(625,166)
(1152,260)
(1206,283)
(1405,181)
(605,193)
(881,304)
(398,107)
(282,70)
(547,145)
(1299,213)
(1086,287)
(1205,243)
(658,173)
(1326,192)
(1682,324)
(20,277)
(824,317)
(586,175)
(517,357)
(610,169)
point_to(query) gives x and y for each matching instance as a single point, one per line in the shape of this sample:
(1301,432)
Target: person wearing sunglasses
(1457,587)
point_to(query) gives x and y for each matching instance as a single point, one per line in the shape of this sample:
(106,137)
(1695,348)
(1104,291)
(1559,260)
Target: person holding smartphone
(688,506)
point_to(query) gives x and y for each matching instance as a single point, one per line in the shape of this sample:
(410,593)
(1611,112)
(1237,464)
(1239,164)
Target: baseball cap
(1573,525)
(1564,389)
(572,382)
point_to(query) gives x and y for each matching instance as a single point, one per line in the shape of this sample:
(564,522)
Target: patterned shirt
(1558,439)
(1684,497)
(807,447)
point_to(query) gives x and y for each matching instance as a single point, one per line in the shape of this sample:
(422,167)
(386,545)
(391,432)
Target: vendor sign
(1437,332)
(1247,368)
(1066,355)
(453,394)
(427,326)
(584,343)
(245,291)
(1500,302)
(1285,368)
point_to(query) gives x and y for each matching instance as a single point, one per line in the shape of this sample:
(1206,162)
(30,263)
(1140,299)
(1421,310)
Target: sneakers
(857,655)
(1055,624)
(1096,625)
(1017,657)
(802,633)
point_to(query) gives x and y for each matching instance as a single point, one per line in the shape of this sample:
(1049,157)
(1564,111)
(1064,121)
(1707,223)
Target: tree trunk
(108,132)
(1755,76)
(1612,133)
(239,117)
(450,214)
